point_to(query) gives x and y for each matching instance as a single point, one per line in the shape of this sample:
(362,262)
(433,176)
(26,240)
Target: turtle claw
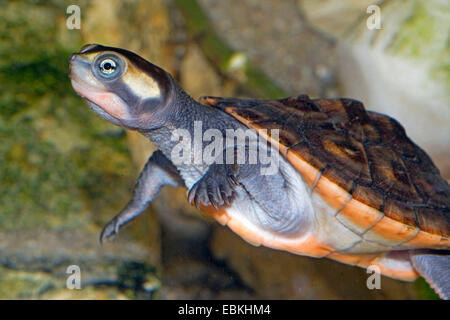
(213,189)
(110,231)
(192,198)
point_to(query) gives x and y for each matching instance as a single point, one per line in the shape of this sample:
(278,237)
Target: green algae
(56,157)
(424,290)
(23,285)
(424,36)
(61,166)
(417,33)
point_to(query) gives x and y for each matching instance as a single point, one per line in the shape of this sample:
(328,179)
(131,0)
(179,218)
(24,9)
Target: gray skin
(209,185)
(216,184)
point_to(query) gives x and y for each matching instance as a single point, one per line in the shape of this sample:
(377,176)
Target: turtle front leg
(274,197)
(157,173)
(216,187)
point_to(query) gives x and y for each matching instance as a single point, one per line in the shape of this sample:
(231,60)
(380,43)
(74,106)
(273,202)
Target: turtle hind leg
(157,173)
(434,267)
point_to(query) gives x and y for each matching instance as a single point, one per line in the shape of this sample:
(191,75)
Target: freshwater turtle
(348,183)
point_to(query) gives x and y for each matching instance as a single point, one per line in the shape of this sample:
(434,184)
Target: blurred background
(64,172)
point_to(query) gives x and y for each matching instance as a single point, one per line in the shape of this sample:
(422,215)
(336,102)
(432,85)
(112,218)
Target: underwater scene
(96,96)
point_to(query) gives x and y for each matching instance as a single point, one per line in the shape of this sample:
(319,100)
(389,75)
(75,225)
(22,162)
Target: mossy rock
(61,166)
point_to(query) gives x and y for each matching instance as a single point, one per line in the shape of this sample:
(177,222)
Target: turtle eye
(107,67)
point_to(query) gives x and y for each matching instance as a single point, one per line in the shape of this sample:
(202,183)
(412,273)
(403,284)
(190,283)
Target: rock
(199,78)
(333,17)
(276,40)
(35,264)
(64,172)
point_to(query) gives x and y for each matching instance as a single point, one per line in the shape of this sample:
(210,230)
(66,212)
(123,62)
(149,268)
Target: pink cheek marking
(108,101)
(111,104)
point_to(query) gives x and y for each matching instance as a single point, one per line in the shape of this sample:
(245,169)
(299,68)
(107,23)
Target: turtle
(336,181)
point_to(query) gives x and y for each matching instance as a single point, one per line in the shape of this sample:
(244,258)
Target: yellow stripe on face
(142,85)
(88,57)
(139,82)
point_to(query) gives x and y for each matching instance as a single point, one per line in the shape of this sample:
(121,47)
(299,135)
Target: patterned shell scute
(365,153)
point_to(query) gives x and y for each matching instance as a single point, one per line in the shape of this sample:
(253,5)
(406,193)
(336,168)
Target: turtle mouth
(107,101)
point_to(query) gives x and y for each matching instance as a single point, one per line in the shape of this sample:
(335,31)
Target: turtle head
(120,86)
